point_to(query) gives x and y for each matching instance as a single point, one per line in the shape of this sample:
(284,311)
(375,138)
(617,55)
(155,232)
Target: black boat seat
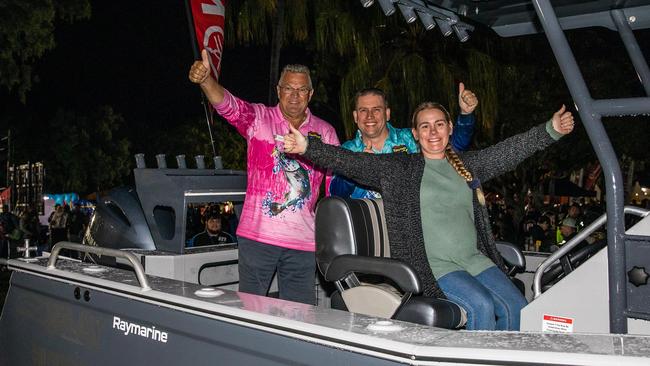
(513,256)
(352,243)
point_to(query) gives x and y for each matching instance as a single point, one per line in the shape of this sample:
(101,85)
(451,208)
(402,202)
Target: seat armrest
(433,312)
(401,273)
(511,254)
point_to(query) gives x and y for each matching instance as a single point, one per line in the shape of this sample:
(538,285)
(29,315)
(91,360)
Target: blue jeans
(485,297)
(296,271)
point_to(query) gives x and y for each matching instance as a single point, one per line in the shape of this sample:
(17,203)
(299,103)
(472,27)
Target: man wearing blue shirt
(377,136)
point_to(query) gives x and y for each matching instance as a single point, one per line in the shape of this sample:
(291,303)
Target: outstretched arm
(363,168)
(507,154)
(200,74)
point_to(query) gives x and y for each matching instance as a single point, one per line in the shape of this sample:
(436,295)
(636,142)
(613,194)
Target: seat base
(421,310)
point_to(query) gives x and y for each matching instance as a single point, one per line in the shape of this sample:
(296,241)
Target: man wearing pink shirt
(276,228)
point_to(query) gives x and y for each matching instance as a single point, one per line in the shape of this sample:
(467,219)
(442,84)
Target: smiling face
(294,93)
(432,131)
(371,115)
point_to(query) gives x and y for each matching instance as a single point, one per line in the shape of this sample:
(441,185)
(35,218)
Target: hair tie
(475,184)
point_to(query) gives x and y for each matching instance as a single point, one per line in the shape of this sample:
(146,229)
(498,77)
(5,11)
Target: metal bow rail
(133,260)
(566,248)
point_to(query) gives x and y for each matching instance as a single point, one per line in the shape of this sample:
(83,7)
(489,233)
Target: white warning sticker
(557,324)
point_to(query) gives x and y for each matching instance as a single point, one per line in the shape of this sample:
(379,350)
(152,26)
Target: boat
(145,295)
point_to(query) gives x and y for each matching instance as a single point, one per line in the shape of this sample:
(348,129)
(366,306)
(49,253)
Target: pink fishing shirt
(282,188)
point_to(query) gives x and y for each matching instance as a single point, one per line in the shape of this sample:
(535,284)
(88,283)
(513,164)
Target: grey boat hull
(74,315)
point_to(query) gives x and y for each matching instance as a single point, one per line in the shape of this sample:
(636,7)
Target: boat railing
(568,246)
(133,260)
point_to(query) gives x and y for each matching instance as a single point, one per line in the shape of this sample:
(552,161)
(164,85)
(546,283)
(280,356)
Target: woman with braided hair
(435,210)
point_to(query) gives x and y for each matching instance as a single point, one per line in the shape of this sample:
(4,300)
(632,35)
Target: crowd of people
(65,223)
(544,229)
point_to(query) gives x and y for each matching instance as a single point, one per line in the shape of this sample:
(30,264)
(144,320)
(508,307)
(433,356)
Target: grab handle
(135,263)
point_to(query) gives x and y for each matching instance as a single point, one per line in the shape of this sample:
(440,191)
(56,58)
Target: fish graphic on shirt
(298,179)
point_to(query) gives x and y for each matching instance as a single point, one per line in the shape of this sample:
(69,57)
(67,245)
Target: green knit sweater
(448,221)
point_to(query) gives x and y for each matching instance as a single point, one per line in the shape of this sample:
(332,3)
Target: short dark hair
(212,212)
(370,91)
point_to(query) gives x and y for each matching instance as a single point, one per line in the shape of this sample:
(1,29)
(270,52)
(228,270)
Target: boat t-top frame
(514,18)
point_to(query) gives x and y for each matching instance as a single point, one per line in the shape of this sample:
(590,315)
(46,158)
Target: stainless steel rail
(566,248)
(135,263)
(591,112)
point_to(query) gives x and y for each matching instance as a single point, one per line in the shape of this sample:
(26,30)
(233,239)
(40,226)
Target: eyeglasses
(304,91)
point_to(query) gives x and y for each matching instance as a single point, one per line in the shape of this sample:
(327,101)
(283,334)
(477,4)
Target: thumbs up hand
(467,100)
(563,121)
(295,142)
(200,70)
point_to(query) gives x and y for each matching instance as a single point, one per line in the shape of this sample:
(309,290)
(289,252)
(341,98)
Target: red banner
(5,195)
(209,17)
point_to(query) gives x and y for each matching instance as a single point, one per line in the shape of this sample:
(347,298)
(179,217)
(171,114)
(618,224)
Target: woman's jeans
(485,297)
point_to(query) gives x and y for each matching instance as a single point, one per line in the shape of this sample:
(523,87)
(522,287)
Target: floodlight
(445,27)
(427,20)
(462,10)
(367,3)
(408,13)
(461,33)
(387,7)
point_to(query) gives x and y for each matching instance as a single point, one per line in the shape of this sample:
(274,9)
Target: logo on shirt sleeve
(400,149)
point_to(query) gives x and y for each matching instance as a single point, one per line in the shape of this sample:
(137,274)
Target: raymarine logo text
(139,330)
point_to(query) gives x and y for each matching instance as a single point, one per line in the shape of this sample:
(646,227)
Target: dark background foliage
(86,84)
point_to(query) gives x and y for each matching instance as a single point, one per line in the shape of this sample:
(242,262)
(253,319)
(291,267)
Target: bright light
(427,20)
(444,26)
(408,13)
(387,7)
(367,3)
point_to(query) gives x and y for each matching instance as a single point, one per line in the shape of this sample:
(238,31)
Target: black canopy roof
(516,17)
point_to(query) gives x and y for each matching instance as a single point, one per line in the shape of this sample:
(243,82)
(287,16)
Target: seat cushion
(371,300)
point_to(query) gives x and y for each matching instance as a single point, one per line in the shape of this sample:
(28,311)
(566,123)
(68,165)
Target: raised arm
(461,138)
(363,168)
(507,154)
(200,74)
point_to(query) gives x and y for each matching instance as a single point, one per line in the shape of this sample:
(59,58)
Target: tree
(27,32)
(267,22)
(86,153)
(191,138)
(517,79)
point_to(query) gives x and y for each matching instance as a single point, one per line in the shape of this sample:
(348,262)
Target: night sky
(135,57)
